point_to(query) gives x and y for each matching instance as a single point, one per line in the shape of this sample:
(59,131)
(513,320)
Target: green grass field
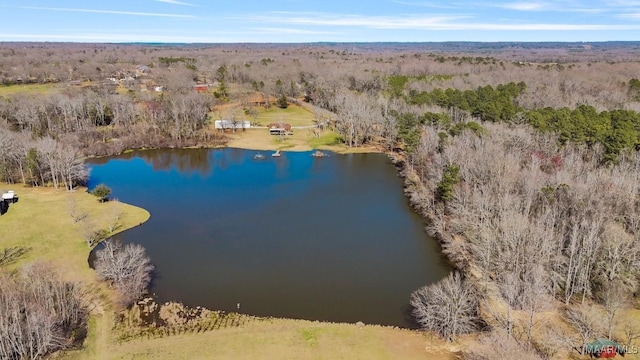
(41,221)
(294,115)
(8,90)
(327,139)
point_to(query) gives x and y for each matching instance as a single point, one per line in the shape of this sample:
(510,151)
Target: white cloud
(565,7)
(126,37)
(523,6)
(374,22)
(174,2)
(624,3)
(279,30)
(115,12)
(451,5)
(423,22)
(633,16)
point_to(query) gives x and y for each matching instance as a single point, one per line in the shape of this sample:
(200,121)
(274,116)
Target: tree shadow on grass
(12,254)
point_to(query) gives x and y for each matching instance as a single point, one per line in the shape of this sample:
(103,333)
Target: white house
(231,124)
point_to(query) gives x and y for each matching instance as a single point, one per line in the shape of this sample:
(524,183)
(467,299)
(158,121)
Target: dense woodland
(524,159)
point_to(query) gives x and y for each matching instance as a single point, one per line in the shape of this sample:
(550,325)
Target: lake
(295,236)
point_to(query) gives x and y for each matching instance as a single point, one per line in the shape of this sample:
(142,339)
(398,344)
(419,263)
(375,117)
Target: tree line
(44,138)
(616,130)
(539,221)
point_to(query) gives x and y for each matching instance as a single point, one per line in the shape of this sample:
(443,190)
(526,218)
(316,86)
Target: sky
(292,21)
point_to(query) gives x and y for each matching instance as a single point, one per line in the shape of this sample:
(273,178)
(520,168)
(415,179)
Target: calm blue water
(296,236)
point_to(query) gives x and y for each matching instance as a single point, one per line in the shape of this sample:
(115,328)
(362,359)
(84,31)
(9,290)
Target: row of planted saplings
(150,319)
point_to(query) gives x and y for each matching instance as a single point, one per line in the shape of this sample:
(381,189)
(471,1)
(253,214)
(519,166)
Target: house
(604,349)
(142,70)
(279,128)
(232,124)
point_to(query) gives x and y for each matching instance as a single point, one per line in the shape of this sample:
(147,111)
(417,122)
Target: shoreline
(98,341)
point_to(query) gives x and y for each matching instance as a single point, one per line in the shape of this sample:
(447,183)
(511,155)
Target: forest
(524,159)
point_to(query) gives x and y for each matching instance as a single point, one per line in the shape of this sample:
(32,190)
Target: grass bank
(301,140)
(281,339)
(41,222)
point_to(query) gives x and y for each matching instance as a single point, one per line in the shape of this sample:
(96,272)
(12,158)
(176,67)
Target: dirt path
(104,324)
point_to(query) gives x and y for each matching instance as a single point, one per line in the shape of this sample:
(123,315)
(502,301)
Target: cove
(331,238)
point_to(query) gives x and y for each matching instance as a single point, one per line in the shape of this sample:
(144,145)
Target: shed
(604,349)
(10,197)
(4,206)
(201,87)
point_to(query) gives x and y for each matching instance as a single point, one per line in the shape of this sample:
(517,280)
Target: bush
(282,102)
(102,192)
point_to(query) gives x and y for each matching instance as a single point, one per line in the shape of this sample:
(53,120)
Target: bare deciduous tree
(631,330)
(585,320)
(449,307)
(127,267)
(614,299)
(39,313)
(498,346)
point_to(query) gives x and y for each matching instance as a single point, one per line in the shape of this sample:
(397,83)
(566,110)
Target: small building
(143,69)
(201,87)
(604,349)
(4,207)
(10,197)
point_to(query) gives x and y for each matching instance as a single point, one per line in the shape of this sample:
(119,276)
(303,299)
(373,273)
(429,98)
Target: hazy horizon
(296,21)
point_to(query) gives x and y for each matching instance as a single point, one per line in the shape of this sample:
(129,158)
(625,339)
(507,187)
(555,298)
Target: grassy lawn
(327,139)
(41,221)
(301,140)
(7,90)
(294,115)
(282,339)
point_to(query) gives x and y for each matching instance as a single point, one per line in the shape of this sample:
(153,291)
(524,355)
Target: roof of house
(601,344)
(279,125)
